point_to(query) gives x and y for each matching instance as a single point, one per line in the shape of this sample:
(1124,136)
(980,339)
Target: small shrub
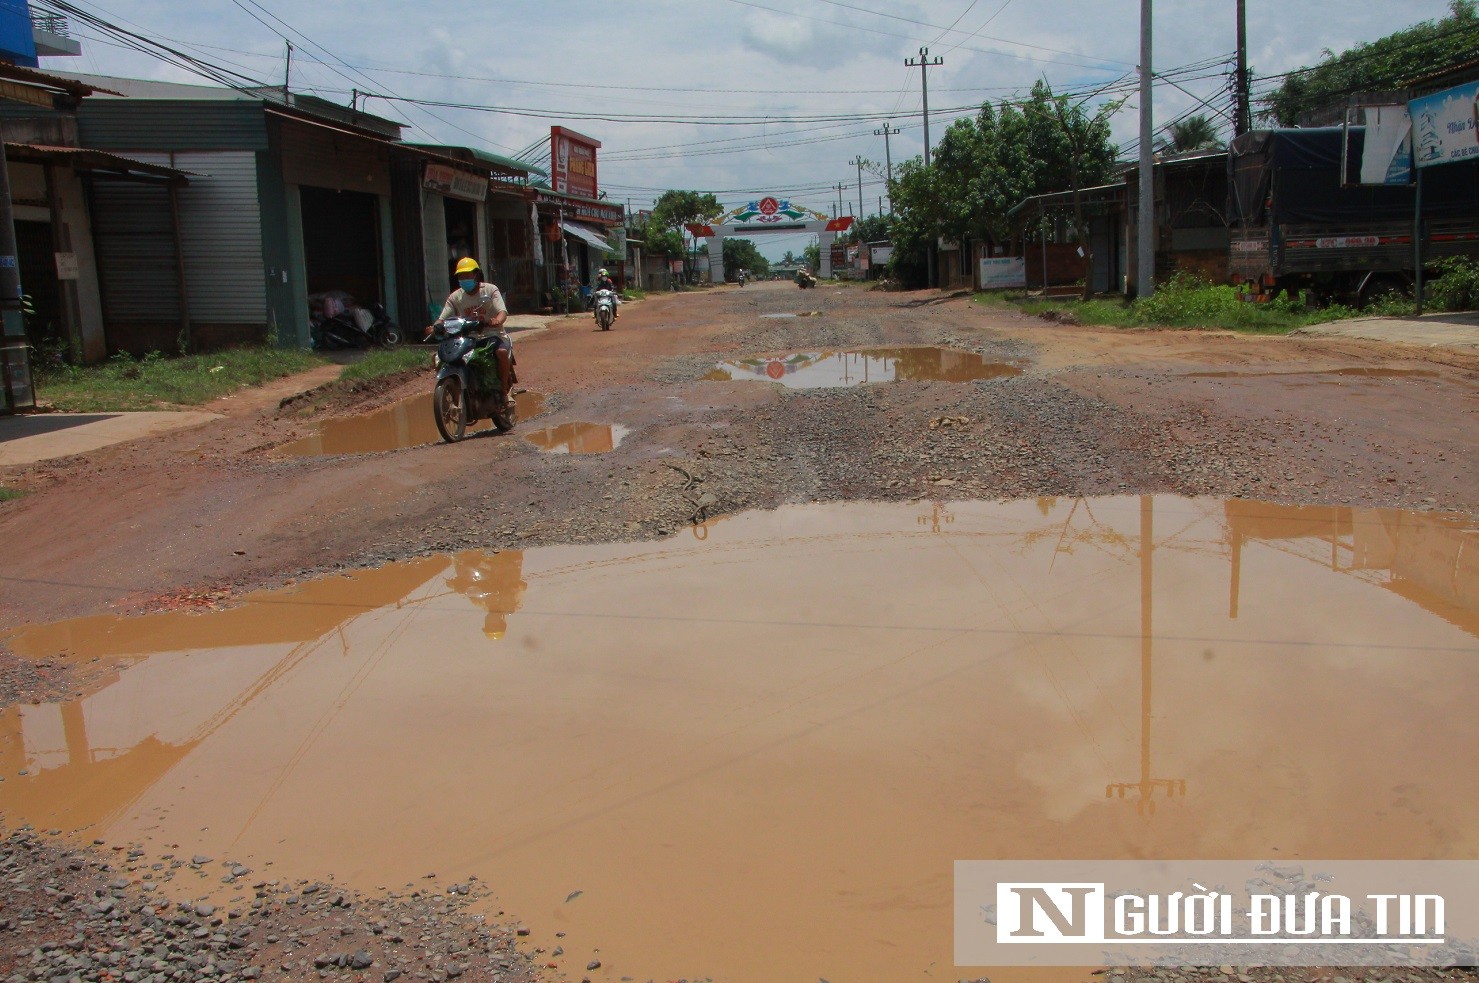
(1456,288)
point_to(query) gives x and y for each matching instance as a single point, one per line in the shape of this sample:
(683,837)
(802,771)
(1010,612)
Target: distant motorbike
(605,301)
(337,321)
(469,386)
(741,278)
(805,280)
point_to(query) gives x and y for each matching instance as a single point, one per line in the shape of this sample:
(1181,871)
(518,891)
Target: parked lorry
(1295,226)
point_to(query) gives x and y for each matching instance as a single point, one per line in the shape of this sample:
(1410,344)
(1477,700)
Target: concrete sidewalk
(1429,331)
(44,436)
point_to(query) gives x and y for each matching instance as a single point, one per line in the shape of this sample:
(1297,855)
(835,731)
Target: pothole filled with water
(578,438)
(788,725)
(407,423)
(835,370)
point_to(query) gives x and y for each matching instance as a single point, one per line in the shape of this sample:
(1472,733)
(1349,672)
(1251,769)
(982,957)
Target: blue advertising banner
(1443,128)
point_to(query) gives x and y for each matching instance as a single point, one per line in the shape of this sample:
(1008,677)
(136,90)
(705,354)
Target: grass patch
(1187,302)
(159,382)
(382,362)
(633,293)
(10,494)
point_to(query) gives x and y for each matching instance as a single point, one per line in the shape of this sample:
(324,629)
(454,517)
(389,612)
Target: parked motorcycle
(337,321)
(605,301)
(469,386)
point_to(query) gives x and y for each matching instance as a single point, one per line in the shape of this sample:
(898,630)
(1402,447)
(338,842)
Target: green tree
(1193,133)
(874,228)
(741,254)
(987,164)
(675,210)
(811,256)
(1384,64)
(789,259)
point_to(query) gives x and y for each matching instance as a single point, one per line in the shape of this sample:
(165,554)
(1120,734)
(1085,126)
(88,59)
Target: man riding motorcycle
(605,282)
(483,303)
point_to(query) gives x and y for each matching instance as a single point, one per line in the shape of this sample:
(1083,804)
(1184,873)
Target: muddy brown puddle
(578,438)
(756,748)
(833,370)
(407,423)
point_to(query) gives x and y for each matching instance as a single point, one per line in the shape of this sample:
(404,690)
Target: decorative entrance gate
(769,215)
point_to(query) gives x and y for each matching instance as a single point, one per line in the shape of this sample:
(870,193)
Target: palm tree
(1193,133)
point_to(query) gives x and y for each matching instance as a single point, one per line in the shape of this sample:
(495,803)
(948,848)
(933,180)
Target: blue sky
(565,61)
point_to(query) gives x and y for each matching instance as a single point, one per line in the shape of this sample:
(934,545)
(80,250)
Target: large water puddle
(578,438)
(408,423)
(754,752)
(833,370)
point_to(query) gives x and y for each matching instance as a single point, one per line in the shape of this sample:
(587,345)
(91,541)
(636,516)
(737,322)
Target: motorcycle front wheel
(390,336)
(449,403)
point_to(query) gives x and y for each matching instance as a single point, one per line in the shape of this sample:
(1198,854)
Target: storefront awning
(97,162)
(586,234)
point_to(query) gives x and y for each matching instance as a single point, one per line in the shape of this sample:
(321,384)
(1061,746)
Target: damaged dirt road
(775,603)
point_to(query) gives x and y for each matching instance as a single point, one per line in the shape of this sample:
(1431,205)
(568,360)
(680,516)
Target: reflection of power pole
(939,514)
(1145,804)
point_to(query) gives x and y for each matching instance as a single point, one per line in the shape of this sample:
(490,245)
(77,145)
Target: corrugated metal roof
(474,155)
(60,81)
(91,160)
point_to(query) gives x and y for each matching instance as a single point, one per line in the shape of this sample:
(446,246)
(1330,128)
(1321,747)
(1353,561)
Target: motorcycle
(469,386)
(605,301)
(337,321)
(741,278)
(805,280)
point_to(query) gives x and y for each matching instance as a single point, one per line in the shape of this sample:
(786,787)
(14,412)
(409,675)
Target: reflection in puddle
(1372,372)
(408,423)
(578,438)
(714,734)
(832,370)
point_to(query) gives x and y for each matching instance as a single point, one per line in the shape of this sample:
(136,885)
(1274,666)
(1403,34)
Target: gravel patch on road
(72,914)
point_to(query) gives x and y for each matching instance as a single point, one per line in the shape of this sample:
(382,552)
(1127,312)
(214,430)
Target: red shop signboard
(573,162)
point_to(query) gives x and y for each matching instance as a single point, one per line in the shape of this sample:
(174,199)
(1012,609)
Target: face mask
(468,285)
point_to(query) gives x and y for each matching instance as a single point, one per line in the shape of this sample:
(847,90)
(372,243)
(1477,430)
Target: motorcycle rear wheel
(390,336)
(449,404)
(605,320)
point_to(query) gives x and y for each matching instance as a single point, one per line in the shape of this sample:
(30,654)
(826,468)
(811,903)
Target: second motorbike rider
(483,302)
(605,282)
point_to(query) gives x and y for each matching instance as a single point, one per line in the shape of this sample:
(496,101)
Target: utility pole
(1244,122)
(1145,222)
(888,157)
(840,187)
(287,72)
(924,63)
(859,162)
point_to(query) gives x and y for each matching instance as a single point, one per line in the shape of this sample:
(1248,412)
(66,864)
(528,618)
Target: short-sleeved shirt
(485,302)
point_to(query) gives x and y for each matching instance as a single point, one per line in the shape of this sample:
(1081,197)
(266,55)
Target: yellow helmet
(467,265)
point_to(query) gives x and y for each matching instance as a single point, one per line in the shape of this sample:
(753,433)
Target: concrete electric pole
(888,158)
(925,63)
(1145,221)
(858,161)
(1244,121)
